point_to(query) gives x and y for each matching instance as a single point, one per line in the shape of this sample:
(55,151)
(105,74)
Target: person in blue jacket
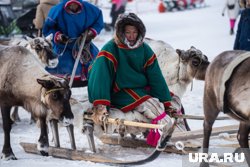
(67,21)
(242,40)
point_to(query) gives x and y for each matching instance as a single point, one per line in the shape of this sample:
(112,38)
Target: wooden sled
(182,137)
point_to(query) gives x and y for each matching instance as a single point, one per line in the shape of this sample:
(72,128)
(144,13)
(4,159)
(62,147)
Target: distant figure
(242,40)
(67,21)
(42,13)
(233,11)
(118,7)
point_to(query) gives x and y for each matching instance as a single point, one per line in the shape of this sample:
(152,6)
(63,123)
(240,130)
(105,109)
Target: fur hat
(129,19)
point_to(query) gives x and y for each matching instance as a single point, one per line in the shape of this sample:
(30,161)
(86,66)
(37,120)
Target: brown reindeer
(41,48)
(227,89)
(24,82)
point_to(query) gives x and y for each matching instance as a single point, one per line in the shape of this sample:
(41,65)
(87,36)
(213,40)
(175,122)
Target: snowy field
(203,28)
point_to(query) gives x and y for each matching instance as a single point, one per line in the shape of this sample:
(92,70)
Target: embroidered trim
(167,104)
(135,104)
(108,56)
(93,30)
(102,101)
(132,93)
(150,61)
(70,2)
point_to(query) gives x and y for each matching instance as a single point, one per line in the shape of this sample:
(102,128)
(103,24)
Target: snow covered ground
(203,28)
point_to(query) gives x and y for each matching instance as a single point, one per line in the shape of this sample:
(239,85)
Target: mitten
(61,38)
(90,35)
(171,111)
(99,112)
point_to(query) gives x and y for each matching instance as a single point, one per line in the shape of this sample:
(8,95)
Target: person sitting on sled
(67,21)
(126,76)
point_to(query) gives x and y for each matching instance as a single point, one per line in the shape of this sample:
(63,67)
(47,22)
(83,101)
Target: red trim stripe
(93,30)
(71,2)
(167,104)
(108,56)
(132,93)
(135,104)
(122,46)
(102,101)
(150,61)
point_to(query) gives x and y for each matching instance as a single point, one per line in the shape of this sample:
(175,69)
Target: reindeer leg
(55,134)
(43,142)
(70,130)
(15,116)
(242,137)
(7,152)
(210,113)
(32,119)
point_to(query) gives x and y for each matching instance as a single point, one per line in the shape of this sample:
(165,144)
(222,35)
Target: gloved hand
(99,112)
(90,36)
(222,14)
(171,111)
(61,38)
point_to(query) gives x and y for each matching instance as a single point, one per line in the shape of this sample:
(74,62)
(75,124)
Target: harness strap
(52,90)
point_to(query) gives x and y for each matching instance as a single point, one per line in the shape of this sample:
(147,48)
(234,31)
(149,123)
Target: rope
(52,90)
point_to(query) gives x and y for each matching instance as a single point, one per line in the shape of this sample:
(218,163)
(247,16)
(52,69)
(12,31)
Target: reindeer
(179,68)
(41,48)
(25,83)
(227,89)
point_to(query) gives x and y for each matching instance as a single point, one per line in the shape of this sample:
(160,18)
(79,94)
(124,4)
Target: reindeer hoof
(43,153)
(6,157)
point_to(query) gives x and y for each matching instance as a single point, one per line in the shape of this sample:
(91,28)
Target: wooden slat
(134,143)
(199,133)
(69,154)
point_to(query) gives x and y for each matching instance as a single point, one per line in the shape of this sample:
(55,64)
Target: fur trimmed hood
(129,19)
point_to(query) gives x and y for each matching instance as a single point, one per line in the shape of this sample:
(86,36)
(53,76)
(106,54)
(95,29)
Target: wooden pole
(118,121)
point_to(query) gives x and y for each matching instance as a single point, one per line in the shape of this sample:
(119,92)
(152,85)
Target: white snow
(203,28)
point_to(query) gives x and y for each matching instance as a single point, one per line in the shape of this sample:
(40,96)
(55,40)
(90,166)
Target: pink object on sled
(154,135)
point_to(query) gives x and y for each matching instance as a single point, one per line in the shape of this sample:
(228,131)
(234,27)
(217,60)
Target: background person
(242,40)
(67,21)
(233,11)
(42,11)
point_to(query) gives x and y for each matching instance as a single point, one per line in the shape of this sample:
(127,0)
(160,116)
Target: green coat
(124,78)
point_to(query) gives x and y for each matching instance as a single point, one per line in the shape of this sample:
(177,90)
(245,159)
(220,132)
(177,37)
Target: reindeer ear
(48,84)
(49,37)
(66,77)
(178,51)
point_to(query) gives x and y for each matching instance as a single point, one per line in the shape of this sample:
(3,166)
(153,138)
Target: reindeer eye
(38,47)
(55,95)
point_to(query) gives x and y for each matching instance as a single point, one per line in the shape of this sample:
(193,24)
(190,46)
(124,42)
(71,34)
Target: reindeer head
(195,61)
(42,47)
(55,95)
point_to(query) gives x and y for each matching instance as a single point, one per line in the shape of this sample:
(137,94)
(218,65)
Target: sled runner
(96,157)
(166,145)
